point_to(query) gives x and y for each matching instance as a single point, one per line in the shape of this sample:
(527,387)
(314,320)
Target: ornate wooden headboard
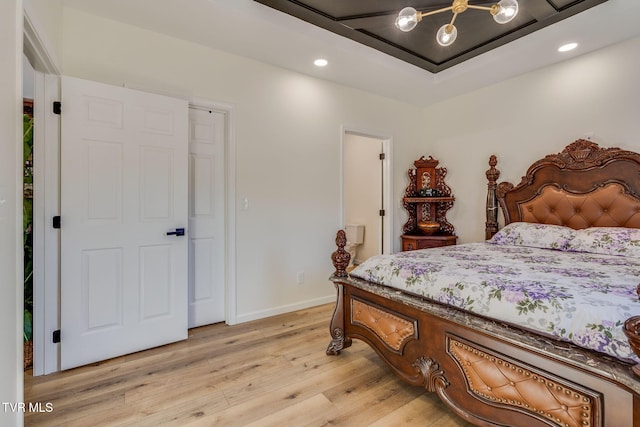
(583,186)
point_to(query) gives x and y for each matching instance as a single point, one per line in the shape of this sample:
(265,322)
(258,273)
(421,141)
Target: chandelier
(503,11)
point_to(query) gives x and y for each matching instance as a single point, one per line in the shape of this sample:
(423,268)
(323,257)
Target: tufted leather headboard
(583,186)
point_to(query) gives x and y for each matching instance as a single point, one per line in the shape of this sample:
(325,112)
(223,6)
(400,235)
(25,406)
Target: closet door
(124,156)
(207,133)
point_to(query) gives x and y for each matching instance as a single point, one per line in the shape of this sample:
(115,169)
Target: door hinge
(382,212)
(56,336)
(56,221)
(382,156)
(57,107)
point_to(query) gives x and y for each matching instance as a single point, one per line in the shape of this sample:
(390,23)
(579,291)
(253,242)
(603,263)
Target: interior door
(123,202)
(207,133)
(363,187)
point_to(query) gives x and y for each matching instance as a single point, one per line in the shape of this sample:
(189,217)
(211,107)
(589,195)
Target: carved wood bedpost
(341,257)
(491,226)
(340,260)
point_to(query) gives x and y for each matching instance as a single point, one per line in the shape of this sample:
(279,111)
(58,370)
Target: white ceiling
(246,28)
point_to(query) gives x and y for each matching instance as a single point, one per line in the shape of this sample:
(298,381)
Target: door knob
(177,232)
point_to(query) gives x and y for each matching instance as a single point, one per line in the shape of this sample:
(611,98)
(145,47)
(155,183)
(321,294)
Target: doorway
(365,190)
(28,79)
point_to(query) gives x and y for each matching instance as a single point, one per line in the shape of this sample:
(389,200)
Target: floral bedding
(579,297)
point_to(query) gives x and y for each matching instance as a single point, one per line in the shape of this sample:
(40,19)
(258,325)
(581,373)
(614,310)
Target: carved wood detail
(410,191)
(492,174)
(341,257)
(434,379)
(337,327)
(425,174)
(581,168)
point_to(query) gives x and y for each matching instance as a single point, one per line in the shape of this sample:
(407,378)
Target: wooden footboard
(489,374)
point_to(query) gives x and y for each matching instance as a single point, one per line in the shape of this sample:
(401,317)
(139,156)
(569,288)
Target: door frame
(47,267)
(387,173)
(46,146)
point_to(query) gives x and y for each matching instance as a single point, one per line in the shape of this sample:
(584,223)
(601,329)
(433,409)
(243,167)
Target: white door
(207,133)
(123,188)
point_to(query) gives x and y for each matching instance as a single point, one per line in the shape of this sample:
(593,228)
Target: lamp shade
(407,19)
(508,10)
(446,35)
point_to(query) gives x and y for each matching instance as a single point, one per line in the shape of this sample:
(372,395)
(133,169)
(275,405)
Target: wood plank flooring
(271,372)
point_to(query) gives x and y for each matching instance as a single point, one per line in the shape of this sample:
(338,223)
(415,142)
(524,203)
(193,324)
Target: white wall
(10,209)
(288,130)
(523,119)
(46,16)
(363,190)
(27,79)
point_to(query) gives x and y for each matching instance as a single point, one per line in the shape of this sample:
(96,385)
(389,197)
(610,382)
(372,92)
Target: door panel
(206,217)
(102,278)
(124,157)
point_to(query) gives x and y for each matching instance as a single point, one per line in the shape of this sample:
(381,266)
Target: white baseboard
(255,315)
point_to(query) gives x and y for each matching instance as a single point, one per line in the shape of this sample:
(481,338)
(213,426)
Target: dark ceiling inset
(371,22)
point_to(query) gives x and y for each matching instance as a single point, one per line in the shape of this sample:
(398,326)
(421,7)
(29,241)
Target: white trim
(46,239)
(230,201)
(261,314)
(36,46)
(387,178)
(37,49)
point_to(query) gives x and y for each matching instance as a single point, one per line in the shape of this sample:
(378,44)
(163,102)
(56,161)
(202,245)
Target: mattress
(579,297)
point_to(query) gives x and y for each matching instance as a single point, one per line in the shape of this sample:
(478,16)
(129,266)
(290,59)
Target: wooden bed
(477,365)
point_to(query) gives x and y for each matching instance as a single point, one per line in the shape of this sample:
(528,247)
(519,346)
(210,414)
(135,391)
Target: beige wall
(288,145)
(46,16)
(525,118)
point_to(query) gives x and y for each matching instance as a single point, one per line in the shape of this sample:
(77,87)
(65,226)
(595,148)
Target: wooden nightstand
(412,242)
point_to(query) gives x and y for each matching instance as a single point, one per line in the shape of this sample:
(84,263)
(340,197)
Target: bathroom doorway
(365,189)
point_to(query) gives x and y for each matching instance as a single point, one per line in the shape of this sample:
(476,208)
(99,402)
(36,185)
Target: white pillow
(619,241)
(546,236)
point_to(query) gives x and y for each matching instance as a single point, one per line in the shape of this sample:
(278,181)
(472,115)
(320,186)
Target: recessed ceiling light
(320,62)
(567,47)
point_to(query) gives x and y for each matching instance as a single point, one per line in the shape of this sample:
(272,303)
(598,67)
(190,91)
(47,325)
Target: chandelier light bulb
(446,35)
(503,11)
(508,9)
(407,19)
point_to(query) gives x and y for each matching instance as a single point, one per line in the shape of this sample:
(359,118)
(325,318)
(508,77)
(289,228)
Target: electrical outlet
(300,277)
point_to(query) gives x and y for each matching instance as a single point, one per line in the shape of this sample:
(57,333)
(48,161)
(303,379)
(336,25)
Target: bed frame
(491,373)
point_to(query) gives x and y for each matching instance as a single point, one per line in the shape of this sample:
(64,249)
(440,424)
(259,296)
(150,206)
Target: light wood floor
(268,372)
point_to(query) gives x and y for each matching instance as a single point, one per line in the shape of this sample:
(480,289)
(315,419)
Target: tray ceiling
(371,22)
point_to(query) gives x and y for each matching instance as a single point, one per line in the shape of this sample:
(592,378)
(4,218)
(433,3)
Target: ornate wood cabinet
(427,200)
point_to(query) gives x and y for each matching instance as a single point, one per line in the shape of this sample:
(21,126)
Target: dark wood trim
(492,174)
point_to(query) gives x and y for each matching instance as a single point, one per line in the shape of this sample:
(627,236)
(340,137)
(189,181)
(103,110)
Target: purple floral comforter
(583,298)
